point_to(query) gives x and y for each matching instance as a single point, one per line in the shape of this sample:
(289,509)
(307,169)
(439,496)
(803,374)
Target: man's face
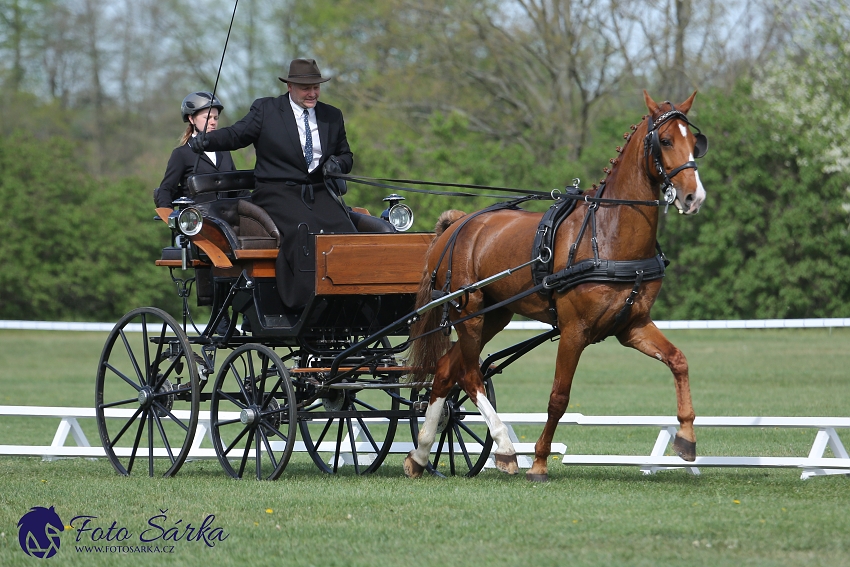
(305,96)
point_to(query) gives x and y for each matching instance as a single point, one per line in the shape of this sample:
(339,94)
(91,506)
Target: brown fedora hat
(304,72)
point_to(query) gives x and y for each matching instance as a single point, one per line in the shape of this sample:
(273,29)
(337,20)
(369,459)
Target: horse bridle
(652,147)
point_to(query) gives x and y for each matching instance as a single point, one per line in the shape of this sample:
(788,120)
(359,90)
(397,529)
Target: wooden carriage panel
(370,263)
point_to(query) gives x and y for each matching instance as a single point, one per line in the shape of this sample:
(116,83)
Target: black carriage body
(335,371)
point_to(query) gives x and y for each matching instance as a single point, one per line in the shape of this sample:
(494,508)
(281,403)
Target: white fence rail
(814,464)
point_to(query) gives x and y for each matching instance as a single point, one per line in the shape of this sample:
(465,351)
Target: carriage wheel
(349,427)
(253,413)
(461,447)
(146,393)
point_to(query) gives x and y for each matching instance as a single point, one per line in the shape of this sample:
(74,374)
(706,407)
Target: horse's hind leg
(652,342)
(445,376)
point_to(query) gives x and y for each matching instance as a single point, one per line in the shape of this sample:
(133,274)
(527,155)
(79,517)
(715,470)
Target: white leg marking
(428,431)
(658,356)
(497,428)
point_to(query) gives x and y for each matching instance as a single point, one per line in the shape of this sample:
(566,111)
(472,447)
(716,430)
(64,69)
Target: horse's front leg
(569,352)
(649,340)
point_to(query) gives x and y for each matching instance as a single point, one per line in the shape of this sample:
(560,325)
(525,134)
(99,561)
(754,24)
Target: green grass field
(583,516)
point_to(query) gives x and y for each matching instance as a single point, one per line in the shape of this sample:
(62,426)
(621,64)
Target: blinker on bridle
(652,147)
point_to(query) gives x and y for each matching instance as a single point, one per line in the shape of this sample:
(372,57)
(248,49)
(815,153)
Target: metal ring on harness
(548,257)
(552,193)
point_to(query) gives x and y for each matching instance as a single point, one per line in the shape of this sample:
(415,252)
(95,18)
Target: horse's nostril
(689,199)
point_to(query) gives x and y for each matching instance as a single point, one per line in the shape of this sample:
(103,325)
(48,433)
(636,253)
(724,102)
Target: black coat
(270,127)
(181,164)
(297,201)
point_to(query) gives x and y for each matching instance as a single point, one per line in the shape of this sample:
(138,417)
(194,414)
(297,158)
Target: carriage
(335,371)
(354,364)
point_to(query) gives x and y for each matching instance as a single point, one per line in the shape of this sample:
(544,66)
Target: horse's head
(670,150)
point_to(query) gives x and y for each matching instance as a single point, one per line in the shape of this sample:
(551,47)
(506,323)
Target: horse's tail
(426,351)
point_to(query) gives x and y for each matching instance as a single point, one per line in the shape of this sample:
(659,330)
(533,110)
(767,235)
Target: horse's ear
(686,106)
(651,105)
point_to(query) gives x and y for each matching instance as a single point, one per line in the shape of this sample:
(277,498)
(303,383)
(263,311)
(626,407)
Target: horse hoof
(687,450)
(412,469)
(531,477)
(507,463)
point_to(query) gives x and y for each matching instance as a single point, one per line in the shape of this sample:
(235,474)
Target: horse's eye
(666,142)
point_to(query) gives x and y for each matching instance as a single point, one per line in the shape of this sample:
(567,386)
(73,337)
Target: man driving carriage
(298,140)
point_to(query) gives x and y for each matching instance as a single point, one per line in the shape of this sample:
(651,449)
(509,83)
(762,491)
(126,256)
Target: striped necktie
(308,144)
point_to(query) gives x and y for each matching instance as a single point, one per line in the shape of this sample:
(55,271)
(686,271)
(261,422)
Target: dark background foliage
(519,93)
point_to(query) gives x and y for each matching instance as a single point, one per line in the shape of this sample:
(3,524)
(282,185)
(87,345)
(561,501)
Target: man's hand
(331,166)
(338,186)
(197,144)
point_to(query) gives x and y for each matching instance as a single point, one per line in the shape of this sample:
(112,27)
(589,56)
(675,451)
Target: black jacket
(270,127)
(180,165)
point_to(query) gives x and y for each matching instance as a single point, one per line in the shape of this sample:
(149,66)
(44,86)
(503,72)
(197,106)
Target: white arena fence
(816,463)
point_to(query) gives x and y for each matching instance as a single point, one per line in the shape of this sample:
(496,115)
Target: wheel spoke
(324,432)
(462,447)
(228,422)
(150,443)
(270,394)
(338,444)
(439,449)
(138,438)
(119,403)
(232,400)
(158,420)
(252,377)
(132,358)
(122,376)
(268,447)
(258,459)
(472,434)
(146,351)
(353,446)
(126,427)
(235,441)
(360,402)
(168,371)
(174,418)
(247,451)
(451,451)
(367,433)
(262,387)
(278,433)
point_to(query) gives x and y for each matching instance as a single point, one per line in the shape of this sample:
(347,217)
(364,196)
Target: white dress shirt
(302,133)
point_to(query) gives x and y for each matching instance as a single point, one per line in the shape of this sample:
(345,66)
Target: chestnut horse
(489,243)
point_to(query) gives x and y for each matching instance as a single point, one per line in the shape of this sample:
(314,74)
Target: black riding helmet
(199,101)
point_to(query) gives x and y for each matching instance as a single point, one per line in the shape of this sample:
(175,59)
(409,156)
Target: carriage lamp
(190,221)
(397,214)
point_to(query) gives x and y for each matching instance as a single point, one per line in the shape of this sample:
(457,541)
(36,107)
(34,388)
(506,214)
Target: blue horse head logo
(38,532)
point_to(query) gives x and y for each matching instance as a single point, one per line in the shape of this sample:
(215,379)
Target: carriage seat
(251,226)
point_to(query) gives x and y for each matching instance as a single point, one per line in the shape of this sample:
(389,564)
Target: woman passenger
(199,109)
